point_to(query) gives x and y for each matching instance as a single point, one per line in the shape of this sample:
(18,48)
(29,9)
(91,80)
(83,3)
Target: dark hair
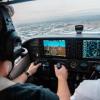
(9,9)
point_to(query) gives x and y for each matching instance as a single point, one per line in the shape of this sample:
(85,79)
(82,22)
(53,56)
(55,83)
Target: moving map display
(54,48)
(91,49)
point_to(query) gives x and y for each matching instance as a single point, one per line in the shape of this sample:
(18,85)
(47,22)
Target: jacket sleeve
(46,94)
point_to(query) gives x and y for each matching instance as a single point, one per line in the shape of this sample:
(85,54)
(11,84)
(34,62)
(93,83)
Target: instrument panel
(80,48)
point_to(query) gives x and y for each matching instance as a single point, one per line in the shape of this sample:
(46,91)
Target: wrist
(27,74)
(29,71)
(62,79)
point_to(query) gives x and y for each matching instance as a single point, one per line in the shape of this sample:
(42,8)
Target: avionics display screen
(91,49)
(54,48)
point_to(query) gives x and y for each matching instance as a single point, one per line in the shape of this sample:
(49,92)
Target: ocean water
(29,30)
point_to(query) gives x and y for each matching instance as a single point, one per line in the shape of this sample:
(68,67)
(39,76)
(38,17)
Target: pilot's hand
(61,73)
(33,68)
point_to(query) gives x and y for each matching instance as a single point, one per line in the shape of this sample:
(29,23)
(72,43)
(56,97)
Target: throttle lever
(37,62)
(58,65)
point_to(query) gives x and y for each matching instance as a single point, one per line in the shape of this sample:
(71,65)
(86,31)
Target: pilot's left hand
(61,73)
(33,68)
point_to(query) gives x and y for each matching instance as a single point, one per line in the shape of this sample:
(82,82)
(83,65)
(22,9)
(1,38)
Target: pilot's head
(5,45)
(5,67)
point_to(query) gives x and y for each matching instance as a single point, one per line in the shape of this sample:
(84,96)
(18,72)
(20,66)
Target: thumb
(38,65)
(32,64)
(55,66)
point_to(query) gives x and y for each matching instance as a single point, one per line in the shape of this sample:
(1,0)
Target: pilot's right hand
(61,73)
(33,68)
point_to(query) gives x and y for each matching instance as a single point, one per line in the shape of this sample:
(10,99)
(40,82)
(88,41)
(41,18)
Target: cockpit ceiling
(13,1)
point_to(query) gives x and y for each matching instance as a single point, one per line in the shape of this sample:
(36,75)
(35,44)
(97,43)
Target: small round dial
(73,64)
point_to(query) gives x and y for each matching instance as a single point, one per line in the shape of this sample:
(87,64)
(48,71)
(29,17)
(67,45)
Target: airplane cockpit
(78,51)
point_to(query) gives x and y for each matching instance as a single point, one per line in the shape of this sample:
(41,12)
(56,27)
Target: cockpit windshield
(56,17)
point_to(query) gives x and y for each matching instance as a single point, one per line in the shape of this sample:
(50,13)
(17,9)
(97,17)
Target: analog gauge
(0,24)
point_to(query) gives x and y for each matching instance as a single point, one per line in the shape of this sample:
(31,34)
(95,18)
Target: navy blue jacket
(27,92)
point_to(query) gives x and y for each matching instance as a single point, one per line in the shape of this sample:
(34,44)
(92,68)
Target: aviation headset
(10,43)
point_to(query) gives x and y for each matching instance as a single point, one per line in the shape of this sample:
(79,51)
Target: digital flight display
(54,48)
(91,49)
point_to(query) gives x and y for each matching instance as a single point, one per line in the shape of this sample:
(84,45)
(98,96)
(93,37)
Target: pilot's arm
(87,90)
(63,90)
(31,70)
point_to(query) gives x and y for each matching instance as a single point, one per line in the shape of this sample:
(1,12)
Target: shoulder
(89,85)
(88,89)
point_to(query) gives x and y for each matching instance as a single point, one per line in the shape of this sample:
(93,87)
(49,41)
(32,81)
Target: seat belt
(5,83)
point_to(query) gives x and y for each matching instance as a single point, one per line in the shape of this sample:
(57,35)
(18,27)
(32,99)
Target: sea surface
(29,30)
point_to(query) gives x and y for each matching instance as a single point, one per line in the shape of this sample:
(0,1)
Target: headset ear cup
(14,46)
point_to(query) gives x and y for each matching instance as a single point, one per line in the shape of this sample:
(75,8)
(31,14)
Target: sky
(41,10)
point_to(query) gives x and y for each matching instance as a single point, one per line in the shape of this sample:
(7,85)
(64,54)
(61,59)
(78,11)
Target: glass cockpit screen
(91,49)
(54,48)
